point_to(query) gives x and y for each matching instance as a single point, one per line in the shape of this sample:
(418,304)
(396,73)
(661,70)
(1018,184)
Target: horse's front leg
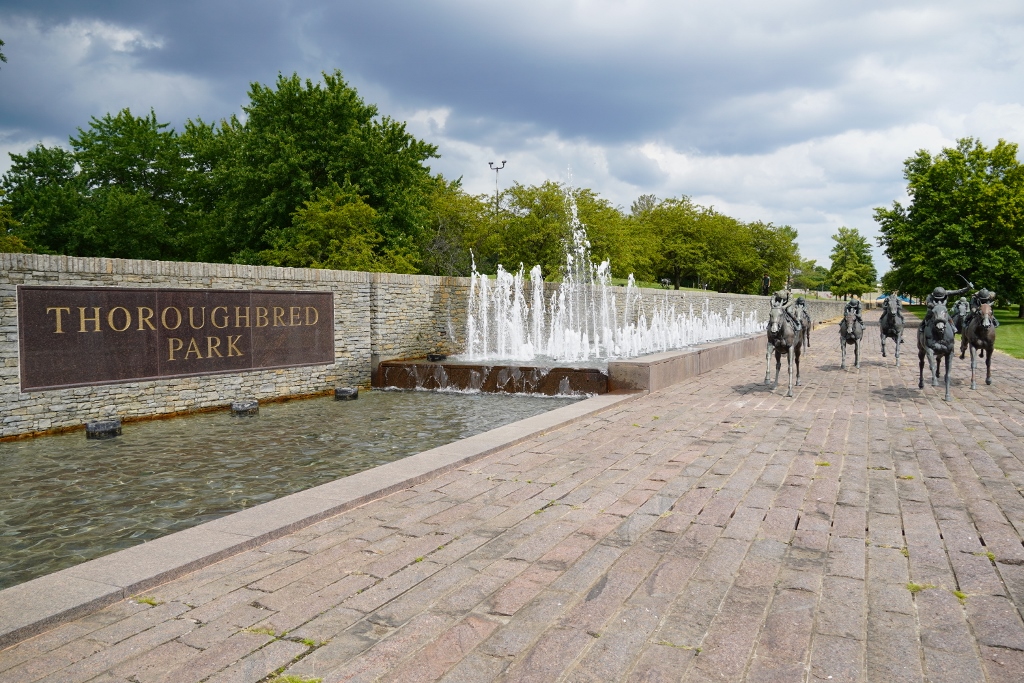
(974,385)
(842,356)
(882,337)
(949,358)
(963,344)
(856,354)
(988,366)
(768,363)
(933,367)
(796,357)
(899,340)
(789,355)
(778,364)
(920,368)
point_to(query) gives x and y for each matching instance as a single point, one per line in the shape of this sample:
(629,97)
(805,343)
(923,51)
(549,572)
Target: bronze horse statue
(851,331)
(936,342)
(805,320)
(891,323)
(961,309)
(980,334)
(782,336)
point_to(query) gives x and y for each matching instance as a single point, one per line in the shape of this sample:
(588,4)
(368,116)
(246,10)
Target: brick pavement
(712,531)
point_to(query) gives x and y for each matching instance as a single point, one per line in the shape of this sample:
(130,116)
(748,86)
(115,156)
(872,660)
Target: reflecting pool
(65,499)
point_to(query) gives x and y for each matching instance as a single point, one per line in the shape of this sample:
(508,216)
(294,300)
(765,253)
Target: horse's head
(775,320)
(850,316)
(891,304)
(985,315)
(940,318)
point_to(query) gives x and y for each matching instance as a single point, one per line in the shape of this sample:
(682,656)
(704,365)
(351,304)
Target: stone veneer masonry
(378,316)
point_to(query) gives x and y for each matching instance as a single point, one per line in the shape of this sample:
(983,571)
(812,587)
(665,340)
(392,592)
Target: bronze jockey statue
(781,299)
(854,305)
(939,296)
(982,296)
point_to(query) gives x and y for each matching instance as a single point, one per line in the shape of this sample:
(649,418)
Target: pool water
(66,499)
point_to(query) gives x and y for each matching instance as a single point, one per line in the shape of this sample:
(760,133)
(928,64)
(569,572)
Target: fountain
(562,341)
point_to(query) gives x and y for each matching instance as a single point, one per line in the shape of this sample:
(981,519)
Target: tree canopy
(313,176)
(965,217)
(853,269)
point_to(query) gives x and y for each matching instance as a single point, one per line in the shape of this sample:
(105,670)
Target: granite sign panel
(78,336)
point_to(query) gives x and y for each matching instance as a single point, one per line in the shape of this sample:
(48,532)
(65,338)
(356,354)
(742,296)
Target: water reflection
(66,499)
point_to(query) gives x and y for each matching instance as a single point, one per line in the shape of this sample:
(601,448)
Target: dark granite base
(420,374)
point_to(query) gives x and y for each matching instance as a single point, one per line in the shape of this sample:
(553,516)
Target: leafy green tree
(134,203)
(336,229)
(300,137)
(533,227)
(455,222)
(3,57)
(10,243)
(965,216)
(810,276)
(776,248)
(691,243)
(44,195)
(853,269)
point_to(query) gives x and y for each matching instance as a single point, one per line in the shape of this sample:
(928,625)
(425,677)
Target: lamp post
(496,169)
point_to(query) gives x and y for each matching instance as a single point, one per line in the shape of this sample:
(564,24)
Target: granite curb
(35,606)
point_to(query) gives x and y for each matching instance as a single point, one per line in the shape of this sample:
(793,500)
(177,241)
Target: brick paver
(714,531)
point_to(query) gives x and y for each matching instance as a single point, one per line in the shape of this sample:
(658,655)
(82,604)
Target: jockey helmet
(984,294)
(800,301)
(939,293)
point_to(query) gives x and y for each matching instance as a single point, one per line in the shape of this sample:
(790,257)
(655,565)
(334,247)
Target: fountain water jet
(581,320)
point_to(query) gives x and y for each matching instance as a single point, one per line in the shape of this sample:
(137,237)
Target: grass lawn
(1009,337)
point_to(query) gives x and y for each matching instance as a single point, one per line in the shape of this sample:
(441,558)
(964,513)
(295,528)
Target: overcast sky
(798,113)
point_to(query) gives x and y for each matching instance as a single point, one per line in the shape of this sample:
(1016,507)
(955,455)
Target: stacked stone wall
(39,411)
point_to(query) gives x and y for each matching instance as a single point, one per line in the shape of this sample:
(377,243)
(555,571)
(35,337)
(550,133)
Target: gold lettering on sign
(261,317)
(145,319)
(57,311)
(95,319)
(127,319)
(294,316)
(238,316)
(172,347)
(192,348)
(232,349)
(279,317)
(316,315)
(213,317)
(163,318)
(192,320)
(212,344)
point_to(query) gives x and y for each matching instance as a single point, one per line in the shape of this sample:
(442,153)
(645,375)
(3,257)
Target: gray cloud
(795,112)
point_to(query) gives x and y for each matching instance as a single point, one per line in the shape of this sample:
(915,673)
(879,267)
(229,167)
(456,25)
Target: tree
(300,137)
(455,221)
(853,269)
(810,276)
(965,217)
(776,248)
(3,57)
(336,229)
(10,243)
(44,195)
(692,243)
(133,172)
